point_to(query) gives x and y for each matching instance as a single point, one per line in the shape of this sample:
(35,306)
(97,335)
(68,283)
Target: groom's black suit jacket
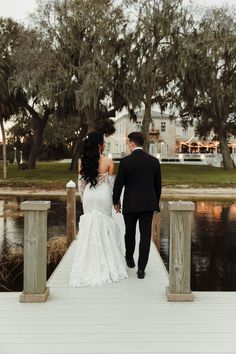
(140,174)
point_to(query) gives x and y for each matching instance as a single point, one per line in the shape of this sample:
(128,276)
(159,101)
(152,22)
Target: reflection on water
(213,245)
(213,238)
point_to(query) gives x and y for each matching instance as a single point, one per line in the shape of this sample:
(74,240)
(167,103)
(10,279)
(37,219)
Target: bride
(98,253)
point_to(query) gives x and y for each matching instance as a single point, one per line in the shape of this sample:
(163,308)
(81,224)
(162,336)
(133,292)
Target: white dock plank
(131,316)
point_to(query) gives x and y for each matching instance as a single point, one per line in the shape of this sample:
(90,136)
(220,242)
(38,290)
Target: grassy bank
(198,176)
(56,175)
(52,175)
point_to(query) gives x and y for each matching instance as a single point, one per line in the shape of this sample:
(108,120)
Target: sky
(20,9)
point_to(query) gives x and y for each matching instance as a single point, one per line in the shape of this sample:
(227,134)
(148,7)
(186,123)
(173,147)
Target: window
(163,126)
(138,125)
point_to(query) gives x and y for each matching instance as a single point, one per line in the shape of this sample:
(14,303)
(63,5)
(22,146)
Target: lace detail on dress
(105,177)
(99,257)
(102,178)
(111,181)
(81,187)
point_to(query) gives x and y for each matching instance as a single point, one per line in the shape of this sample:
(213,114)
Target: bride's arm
(111,175)
(119,183)
(81,187)
(81,183)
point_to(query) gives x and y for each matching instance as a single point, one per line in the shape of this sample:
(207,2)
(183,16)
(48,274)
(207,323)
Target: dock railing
(70,211)
(35,251)
(35,244)
(35,247)
(180,251)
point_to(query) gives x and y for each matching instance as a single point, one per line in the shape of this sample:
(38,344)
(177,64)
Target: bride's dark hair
(90,157)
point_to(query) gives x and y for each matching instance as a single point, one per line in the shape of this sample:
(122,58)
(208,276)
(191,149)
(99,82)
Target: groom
(140,174)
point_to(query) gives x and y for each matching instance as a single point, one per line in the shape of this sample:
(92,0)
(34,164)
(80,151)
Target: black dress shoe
(141,274)
(130,263)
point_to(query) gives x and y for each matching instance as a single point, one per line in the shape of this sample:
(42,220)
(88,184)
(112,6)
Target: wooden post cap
(37,205)
(70,184)
(181,205)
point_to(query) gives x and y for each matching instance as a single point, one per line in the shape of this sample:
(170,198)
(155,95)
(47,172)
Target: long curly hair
(90,157)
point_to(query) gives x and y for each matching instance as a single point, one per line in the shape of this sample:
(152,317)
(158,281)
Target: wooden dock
(131,316)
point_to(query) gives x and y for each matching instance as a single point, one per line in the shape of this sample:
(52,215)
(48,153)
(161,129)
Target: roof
(140,114)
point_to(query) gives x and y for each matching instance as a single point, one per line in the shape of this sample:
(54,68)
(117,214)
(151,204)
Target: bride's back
(106,165)
(99,198)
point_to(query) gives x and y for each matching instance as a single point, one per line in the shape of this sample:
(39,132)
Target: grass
(55,175)
(198,176)
(11,263)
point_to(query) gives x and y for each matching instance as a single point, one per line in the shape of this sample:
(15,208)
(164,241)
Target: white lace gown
(99,257)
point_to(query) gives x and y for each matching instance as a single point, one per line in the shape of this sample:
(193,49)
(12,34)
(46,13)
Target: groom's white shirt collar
(137,148)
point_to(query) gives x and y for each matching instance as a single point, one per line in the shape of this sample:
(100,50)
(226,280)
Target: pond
(213,243)
(12,235)
(213,254)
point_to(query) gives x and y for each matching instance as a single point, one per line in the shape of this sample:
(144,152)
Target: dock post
(180,251)
(71,212)
(35,251)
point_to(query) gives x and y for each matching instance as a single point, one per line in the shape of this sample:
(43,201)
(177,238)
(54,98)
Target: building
(168,138)
(162,134)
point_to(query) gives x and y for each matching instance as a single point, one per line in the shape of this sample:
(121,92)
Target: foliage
(152,55)
(207,78)
(80,62)
(9,32)
(85,36)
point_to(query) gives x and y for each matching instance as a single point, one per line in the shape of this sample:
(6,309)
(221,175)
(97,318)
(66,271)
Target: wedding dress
(98,252)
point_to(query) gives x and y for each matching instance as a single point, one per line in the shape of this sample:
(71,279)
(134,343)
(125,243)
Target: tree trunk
(90,120)
(228,163)
(4,149)
(37,142)
(77,149)
(76,154)
(40,123)
(147,119)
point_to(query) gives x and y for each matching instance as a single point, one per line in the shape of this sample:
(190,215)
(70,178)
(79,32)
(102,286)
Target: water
(12,236)
(12,220)
(213,239)
(213,252)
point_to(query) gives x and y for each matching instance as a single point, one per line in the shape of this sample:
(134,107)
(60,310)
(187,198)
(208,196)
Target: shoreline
(168,193)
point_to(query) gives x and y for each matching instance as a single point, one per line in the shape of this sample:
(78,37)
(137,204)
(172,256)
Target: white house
(167,137)
(162,134)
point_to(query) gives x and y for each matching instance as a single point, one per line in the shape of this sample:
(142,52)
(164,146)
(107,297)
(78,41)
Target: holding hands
(117,207)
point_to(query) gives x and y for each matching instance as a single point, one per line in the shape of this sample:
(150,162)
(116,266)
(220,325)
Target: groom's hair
(137,138)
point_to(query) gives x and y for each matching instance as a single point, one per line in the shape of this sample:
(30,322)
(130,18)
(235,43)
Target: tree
(152,56)
(5,109)
(36,89)
(207,79)
(57,137)
(9,31)
(87,38)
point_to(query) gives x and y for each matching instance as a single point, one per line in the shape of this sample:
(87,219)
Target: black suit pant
(145,227)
